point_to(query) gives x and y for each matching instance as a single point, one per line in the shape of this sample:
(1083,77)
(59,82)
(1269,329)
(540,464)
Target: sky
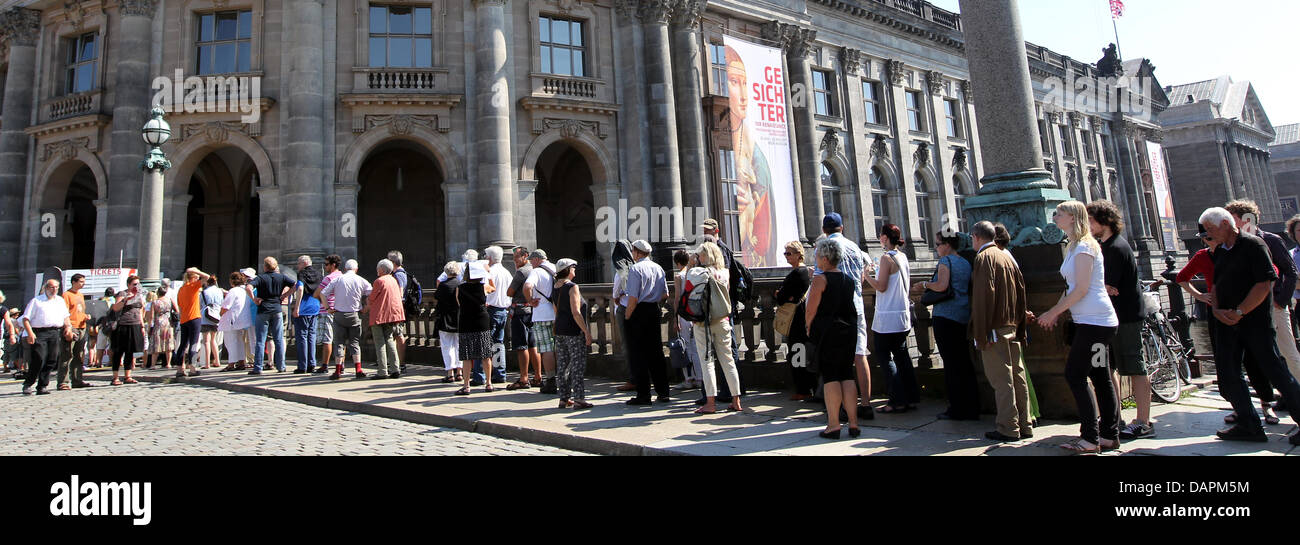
(1187,40)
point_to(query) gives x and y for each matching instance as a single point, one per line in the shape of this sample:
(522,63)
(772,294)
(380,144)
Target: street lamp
(155,132)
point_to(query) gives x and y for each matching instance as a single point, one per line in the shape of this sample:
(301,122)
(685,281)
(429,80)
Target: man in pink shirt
(386,312)
(325,320)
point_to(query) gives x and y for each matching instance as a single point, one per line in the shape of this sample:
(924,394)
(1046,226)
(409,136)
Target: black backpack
(414,294)
(742,282)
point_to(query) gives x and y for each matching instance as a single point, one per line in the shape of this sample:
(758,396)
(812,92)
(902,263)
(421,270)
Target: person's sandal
(581,405)
(1272,419)
(1076,447)
(535,382)
(520,384)
(116,382)
(701,410)
(448,380)
(464,391)
(130,381)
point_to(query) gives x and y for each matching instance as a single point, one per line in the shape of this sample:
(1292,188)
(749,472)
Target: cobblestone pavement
(177,419)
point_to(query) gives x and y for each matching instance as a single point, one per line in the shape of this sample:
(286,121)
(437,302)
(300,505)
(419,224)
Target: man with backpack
(647,286)
(539,290)
(412,296)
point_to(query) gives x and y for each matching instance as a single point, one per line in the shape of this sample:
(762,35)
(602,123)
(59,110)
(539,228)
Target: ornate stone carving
(967,91)
(215,131)
(20,26)
(1076,119)
(64,149)
(897,72)
(402,124)
(1053,118)
(959,159)
(1110,65)
(851,60)
(490,2)
(565,6)
(1095,122)
(795,40)
(1155,135)
(935,79)
(571,128)
(137,8)
(880,147)
(922,155)
(655,11)
(74,13)
(687,13)
(626,9)
(830,143)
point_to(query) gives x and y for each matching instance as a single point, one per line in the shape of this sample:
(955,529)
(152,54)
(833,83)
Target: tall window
(959,195)
(823,99)
(952,113)
(1089,152)
(401,37)
(562,47)
(1045,136)
(830,191)
(871,101)
(922,208)
(225,42)
(83,63)
(879,199)
(718,62)
(1067,136)
(730,214)
(915,112)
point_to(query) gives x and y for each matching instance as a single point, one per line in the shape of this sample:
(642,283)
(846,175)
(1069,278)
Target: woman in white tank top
(893,322)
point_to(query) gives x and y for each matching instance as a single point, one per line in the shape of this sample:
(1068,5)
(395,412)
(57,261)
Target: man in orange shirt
(187,299)
(72,354)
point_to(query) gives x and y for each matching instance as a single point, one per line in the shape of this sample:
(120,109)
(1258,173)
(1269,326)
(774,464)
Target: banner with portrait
(1164,199)
(760,142)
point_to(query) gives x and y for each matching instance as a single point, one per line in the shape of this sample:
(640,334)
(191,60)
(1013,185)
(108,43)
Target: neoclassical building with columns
(433,126)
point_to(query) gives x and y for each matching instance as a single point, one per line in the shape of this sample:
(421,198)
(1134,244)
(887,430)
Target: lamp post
(156,132)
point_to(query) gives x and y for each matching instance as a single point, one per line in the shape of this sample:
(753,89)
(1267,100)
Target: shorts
(101,340)
(544,336)
(521,332)
(862,336)
(324,328)
(205,328)
(1126,350)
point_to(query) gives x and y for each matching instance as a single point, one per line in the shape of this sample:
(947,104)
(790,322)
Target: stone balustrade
(71,106)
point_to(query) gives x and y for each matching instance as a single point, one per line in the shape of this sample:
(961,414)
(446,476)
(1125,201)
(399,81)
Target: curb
(565,441)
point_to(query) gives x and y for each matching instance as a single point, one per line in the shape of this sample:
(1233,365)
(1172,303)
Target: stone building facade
(433,126)
(1284,161)
(1217,138)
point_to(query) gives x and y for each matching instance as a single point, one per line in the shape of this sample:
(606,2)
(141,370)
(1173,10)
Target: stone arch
(63,171)
(448,159)
(193,150)
(843,171)
(591,149)
(964,182)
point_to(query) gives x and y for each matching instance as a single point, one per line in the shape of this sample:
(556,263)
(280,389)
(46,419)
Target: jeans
(71,359)
(1234,342)
(892,355)
(958,369)
(1088,360)
(500,319)
(274,322)
(304,329)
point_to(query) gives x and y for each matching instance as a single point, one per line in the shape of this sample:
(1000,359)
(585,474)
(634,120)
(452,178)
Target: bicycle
(1162,351)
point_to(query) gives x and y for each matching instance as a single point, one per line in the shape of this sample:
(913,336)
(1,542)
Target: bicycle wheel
(1161,364)
(1182,355)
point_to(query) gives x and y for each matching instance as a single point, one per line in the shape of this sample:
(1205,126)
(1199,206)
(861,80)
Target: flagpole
(1118,50)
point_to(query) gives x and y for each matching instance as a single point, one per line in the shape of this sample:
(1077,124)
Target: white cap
(642,246)
(564,264)
(248,272)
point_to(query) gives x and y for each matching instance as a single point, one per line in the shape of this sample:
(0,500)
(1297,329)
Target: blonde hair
(1079,232)
(151,297)
(711,256)
(795,247)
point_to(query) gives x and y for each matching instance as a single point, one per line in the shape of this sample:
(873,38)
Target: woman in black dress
(792,291)
(474,325)
(446,317)
(832,324)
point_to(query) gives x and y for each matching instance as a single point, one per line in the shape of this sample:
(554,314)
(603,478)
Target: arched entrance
(566,210)
(221,220)
(69,193)
(401,206)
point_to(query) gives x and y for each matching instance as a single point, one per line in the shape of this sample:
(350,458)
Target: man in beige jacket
(996,324)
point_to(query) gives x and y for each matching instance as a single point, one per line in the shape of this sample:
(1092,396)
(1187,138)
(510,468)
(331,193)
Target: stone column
(798,47)
(634,148)
(101,230)
(494,188)
(131,95)
(662,118)
(1016,189)
(20,29)
(305,185)
(1235,171)
(1224,163)
(688,91)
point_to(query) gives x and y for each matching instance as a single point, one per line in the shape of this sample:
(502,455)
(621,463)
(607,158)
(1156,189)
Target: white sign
(756,85)
(96,280)
(1164,200)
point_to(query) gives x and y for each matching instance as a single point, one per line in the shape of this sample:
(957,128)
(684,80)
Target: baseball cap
(642,246)
(832,220)
(710,224)
(537,254)
(564,264)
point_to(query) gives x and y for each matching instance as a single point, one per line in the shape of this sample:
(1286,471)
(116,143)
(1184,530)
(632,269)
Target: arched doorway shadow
(221,218)
(566,210)
(69,192)
(401,206)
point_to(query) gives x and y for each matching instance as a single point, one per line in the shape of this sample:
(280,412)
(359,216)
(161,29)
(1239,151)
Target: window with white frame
(1045,136)
(823,96)
(923,217)
(83,63)
(562,47)
(959,195)
(830,191)
(401,36)
(952,114)
(879,199)
(718,68)
(224,42)
(871,102)
(915,111)
(1089,152)
(727,196)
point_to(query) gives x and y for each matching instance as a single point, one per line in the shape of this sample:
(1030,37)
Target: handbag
(931,297)
(677,354)
(784,318)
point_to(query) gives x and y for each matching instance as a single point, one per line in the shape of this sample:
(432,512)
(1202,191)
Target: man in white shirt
(349,292)
(498,307)
(44,319)
(538,290)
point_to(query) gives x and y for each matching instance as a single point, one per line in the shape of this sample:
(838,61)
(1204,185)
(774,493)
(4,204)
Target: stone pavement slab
(769,425)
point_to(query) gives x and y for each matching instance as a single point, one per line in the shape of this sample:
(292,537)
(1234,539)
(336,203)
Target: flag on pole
(1116,9)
